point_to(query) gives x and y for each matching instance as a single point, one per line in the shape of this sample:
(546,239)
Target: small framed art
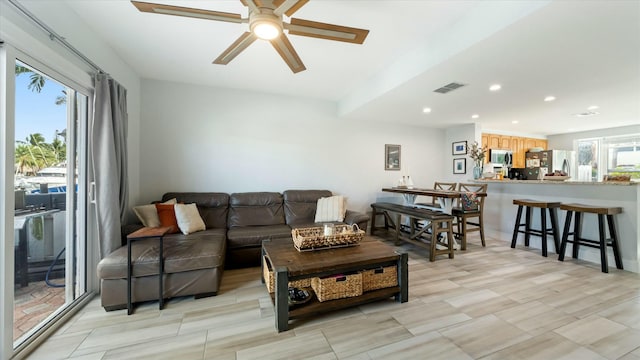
(459,148)
(460,166)
(391,157)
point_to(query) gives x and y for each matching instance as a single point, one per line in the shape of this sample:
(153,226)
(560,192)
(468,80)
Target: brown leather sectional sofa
(236,226)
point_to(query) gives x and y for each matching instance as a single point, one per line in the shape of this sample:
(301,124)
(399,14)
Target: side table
(146,233)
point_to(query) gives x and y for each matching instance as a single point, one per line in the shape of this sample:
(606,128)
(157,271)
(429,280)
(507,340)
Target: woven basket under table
(270,279)
(337,287)
(379,278)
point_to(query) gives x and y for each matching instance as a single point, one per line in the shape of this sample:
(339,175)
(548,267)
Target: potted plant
(477,154)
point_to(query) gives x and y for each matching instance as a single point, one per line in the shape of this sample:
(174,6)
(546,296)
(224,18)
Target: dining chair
(469,212)
(440,186)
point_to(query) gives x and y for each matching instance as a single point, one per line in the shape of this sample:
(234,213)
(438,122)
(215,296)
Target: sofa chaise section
(193,264)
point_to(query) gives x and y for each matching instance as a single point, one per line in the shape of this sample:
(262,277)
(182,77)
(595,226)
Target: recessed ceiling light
(549,98)
(514,121)
(592,107)
(495,87)
(475,116)
(426,110)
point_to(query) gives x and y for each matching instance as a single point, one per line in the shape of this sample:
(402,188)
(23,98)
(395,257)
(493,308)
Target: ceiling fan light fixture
(266,30)
(265,26)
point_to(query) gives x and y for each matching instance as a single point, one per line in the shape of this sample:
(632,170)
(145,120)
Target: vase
(477,172)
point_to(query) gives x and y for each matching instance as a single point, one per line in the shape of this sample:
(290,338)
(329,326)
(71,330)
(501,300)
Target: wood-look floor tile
(474,297)
(183,347)
(485,335)
(59,346)
(544,347)
(93,356)
(535,317)
(233,338)
(220,316)
(590,329)
(309,345)
(618,344)
(626,313)
(130,333)
(362,335)
(431,345)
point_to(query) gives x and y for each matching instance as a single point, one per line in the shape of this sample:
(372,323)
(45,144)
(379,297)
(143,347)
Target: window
(623,156)
(616,155)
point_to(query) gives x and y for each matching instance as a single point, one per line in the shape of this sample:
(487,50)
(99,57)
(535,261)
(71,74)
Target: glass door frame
(85,269)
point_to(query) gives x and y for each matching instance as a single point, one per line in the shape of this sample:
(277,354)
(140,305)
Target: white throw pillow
(189,219)
(148,214)
(330,209)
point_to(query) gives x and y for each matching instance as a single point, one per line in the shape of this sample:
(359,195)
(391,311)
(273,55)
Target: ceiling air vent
(587,113)
(449,87)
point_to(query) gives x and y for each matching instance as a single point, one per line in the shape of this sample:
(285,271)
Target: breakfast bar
(500,213)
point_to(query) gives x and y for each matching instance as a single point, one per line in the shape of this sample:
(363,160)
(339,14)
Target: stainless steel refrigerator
(548,161)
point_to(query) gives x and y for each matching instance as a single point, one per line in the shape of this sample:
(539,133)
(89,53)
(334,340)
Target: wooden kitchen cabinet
(541,143)
(529,143)
(494,141)
(518,152)
(519,146)
(505,142)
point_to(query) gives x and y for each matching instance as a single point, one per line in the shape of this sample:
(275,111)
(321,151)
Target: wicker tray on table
(313,238)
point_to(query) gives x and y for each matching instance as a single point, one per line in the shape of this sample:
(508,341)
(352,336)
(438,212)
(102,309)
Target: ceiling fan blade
(326,31)
(236,48)
(253,5)
(288,53)
(188,12)
(288,7)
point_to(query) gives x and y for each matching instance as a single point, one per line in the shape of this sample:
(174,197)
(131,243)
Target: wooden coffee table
(289,264)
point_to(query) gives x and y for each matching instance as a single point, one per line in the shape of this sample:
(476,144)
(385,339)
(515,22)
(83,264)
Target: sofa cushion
(148,214)
(202,250)
(188,217)
(212,206)
(167,216)
(255,209)
(252,236)
(300,205)
(330,209)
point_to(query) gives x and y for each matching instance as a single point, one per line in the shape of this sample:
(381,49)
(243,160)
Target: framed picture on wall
(460,166)
(391,157)
(459,148)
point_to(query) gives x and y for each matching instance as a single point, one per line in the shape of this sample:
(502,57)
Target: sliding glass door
(45,258)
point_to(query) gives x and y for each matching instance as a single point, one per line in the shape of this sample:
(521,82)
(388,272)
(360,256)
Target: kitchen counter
(552,182)
(500,213)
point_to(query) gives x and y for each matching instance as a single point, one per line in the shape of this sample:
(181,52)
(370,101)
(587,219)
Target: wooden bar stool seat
(552,207)
(602,242)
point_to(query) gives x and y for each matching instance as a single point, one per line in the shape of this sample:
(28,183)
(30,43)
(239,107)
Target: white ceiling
(583,52)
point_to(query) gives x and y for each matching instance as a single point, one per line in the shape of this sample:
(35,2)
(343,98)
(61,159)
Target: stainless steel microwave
(501,157)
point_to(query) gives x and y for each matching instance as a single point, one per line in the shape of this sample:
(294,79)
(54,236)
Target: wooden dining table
(444,197)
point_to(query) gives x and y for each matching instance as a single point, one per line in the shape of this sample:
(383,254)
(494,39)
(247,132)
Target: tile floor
(487,303)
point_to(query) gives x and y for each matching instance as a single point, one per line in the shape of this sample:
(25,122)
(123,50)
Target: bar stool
(543,231)
(602,243)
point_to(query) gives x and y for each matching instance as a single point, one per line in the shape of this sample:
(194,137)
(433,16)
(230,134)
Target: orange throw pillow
(167,216)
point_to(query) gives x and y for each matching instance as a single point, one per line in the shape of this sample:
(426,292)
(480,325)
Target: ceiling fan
(265,22)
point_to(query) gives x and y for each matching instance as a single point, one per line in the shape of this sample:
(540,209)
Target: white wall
(469,133)
(565,141)
(197,138)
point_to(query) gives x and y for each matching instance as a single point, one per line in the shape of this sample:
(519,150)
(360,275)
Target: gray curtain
(108,149)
